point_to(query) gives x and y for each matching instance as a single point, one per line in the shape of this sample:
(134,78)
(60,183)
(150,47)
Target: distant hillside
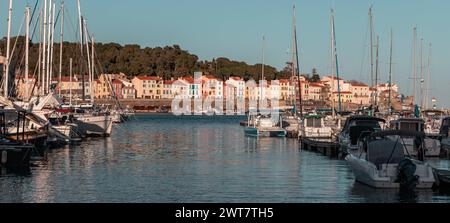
(168,62)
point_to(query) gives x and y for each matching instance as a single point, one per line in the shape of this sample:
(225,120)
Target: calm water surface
(163,158)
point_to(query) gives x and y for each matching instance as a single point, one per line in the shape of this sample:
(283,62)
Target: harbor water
(166,158)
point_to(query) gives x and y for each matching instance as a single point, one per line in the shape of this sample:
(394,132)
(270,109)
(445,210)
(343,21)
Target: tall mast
(27,49)
(376,73)
(428,78)
(49,36)
(262,69)
(93,69)
(298,72)
(421,75)
(414,64)
(332,61)
(51,46)
(293,97)
(44,46)
(8,46)
(390,70)
(61,46)
(88,55)
(70,84)
(40,54)
(371,45)
(337,65)
(80,19)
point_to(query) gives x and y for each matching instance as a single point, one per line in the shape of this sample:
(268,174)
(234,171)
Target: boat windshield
(314,122)
(414,126)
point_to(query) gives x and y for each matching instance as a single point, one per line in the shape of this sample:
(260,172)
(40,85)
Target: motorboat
(433,145)
(62,127)
(381,161)
(313,127)
(265,125)
(356,128)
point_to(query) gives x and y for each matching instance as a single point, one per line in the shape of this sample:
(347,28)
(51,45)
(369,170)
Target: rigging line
(34,11)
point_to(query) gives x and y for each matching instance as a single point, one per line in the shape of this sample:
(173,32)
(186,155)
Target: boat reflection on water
(364,194)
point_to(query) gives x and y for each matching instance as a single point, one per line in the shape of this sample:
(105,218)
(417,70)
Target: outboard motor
(406,175)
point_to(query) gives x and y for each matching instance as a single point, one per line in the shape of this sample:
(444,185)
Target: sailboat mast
(376,72)
(414,64)
(52,44)
(8,47)
(337,65)
(298,72)
(49,36)
(40,54)
(428,78)
(262,69)
(421,75)
(371,45)
(61,46)
(80,21)
(390,71)
(70,84)
(332,62)
(93,69)
(27,49)
(293,97)
(44,46)
(86,38)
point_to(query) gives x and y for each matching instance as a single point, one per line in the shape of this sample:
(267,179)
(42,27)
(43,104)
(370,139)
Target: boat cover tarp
(397,132)
(386,150)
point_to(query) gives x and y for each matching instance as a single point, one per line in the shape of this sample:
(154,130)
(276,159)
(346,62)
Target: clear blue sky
(234,28)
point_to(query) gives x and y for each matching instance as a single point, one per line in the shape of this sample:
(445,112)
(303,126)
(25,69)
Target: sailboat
(91,120)
(266,123)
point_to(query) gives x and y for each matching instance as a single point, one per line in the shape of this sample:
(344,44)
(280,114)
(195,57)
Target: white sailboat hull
(95,125)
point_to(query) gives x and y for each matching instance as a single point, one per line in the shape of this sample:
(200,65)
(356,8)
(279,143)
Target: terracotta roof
(284,81)
(168,82)
(236,78)
(359,84)
(149,78)
(315,85)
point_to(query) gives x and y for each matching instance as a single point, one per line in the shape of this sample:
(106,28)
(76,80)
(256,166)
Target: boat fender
(4,157)
(406,175)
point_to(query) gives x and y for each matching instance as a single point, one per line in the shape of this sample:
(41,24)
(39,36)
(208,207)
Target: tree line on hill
(167,62)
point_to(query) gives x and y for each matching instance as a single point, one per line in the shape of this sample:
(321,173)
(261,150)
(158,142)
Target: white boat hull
(367,173)
(95,125)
